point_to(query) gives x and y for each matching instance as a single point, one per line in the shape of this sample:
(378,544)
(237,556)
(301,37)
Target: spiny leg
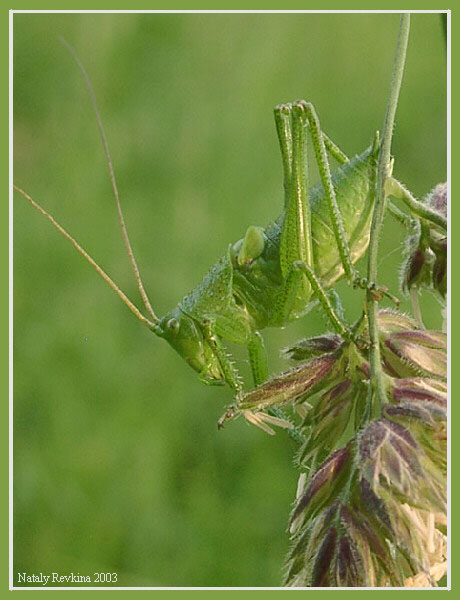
(296,235)
(258,358)
(257,353)
(288,294)
(229,371)
(319,146)
(336,303)
(403,218)
(296,230)
(326,179)
(283,128)
(296,238)
(283,122)
(259,366)
(332,308)
(336,321)
(334,150)
(290,124)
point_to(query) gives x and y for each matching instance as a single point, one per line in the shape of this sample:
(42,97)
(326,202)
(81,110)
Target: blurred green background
(118,463)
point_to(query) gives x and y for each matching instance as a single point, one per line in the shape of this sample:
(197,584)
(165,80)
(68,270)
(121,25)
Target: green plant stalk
(377,375)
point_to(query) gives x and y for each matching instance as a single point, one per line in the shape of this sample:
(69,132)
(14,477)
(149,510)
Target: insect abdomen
(352,185)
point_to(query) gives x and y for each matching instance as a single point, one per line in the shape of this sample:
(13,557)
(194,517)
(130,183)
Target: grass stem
(377,376)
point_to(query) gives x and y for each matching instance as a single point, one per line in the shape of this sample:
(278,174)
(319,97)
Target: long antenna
(150,324)
(105,144)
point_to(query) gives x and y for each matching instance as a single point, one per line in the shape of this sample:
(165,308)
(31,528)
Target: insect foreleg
(229,371)
(258,358)
(275,416)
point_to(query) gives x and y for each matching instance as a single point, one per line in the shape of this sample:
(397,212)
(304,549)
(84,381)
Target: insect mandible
(272,275)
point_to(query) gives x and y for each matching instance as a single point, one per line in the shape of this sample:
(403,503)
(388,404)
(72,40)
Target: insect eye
(173,325)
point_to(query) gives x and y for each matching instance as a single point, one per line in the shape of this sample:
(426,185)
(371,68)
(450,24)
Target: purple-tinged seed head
(406,393)
(328,471)
(416,352)
(290,385)
(413,268)
(437,199)
(392,321)
(323,559)
(425,337)
(409,411)
(307,348)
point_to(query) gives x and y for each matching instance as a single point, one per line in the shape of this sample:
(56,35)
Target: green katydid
(272,275)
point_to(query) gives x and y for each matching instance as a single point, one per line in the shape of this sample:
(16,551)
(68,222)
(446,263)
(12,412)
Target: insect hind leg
(284,130)
(334,150)
(322,161)
(321,146)
(296,238)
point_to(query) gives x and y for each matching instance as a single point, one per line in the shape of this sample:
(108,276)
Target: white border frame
(11,14)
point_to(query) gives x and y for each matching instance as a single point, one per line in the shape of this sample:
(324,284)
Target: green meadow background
(118,464)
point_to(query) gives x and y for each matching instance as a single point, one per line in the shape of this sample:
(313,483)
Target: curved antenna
(150,324)
(105,144)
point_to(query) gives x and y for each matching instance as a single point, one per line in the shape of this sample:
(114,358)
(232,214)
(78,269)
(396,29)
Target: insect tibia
(283,109)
